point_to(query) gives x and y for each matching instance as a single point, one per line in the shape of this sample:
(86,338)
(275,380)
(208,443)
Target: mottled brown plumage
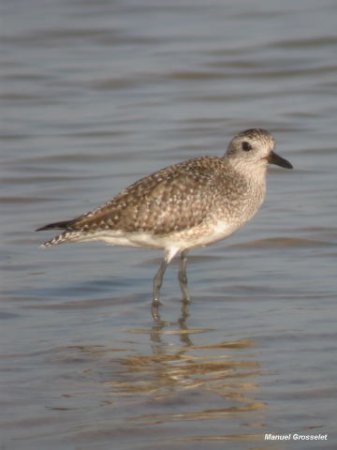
(161,203)
(182,206)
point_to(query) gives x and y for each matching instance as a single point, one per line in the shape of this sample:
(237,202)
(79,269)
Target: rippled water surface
(97,94)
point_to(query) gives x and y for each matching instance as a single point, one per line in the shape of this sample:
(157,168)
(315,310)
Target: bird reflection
(170,375)
(158,327)
(176,367)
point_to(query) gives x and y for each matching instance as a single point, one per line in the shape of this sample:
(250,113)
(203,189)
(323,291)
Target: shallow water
(97,94)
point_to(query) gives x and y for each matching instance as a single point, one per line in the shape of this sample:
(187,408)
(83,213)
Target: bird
(187,205)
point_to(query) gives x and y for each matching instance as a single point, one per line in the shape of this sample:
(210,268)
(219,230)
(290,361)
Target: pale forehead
(257,134)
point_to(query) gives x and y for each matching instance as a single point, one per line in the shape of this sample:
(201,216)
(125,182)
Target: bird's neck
(255,174)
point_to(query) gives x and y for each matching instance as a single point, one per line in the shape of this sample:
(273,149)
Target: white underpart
(172,244)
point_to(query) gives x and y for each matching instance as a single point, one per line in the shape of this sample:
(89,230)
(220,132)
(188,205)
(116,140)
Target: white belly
(194,237)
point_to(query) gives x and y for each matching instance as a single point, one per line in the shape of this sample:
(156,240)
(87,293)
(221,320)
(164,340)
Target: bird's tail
(69,235)
(66,236)
(66,224)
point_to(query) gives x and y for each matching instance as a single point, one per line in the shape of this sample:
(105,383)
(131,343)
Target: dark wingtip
(56,225)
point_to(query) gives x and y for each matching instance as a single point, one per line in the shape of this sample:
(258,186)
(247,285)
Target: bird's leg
(157,282)
(183,277)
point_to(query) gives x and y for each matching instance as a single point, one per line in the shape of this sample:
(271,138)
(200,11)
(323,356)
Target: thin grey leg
(183,277)
(158,280)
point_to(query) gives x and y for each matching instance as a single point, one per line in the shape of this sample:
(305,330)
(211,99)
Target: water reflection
(168,377)
(159,325)
(210,382)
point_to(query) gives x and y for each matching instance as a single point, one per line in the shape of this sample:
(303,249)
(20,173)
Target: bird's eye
(246,146)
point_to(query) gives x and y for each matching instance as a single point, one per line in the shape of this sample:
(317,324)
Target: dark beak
(273,158)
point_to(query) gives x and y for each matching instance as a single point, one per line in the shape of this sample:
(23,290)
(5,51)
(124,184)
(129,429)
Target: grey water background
(95,95)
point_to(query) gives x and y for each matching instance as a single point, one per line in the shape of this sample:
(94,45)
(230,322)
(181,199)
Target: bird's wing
(169,200)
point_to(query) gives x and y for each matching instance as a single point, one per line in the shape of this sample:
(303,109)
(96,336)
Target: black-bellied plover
(190,204)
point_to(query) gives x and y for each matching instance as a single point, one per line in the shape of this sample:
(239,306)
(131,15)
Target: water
(97,94)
